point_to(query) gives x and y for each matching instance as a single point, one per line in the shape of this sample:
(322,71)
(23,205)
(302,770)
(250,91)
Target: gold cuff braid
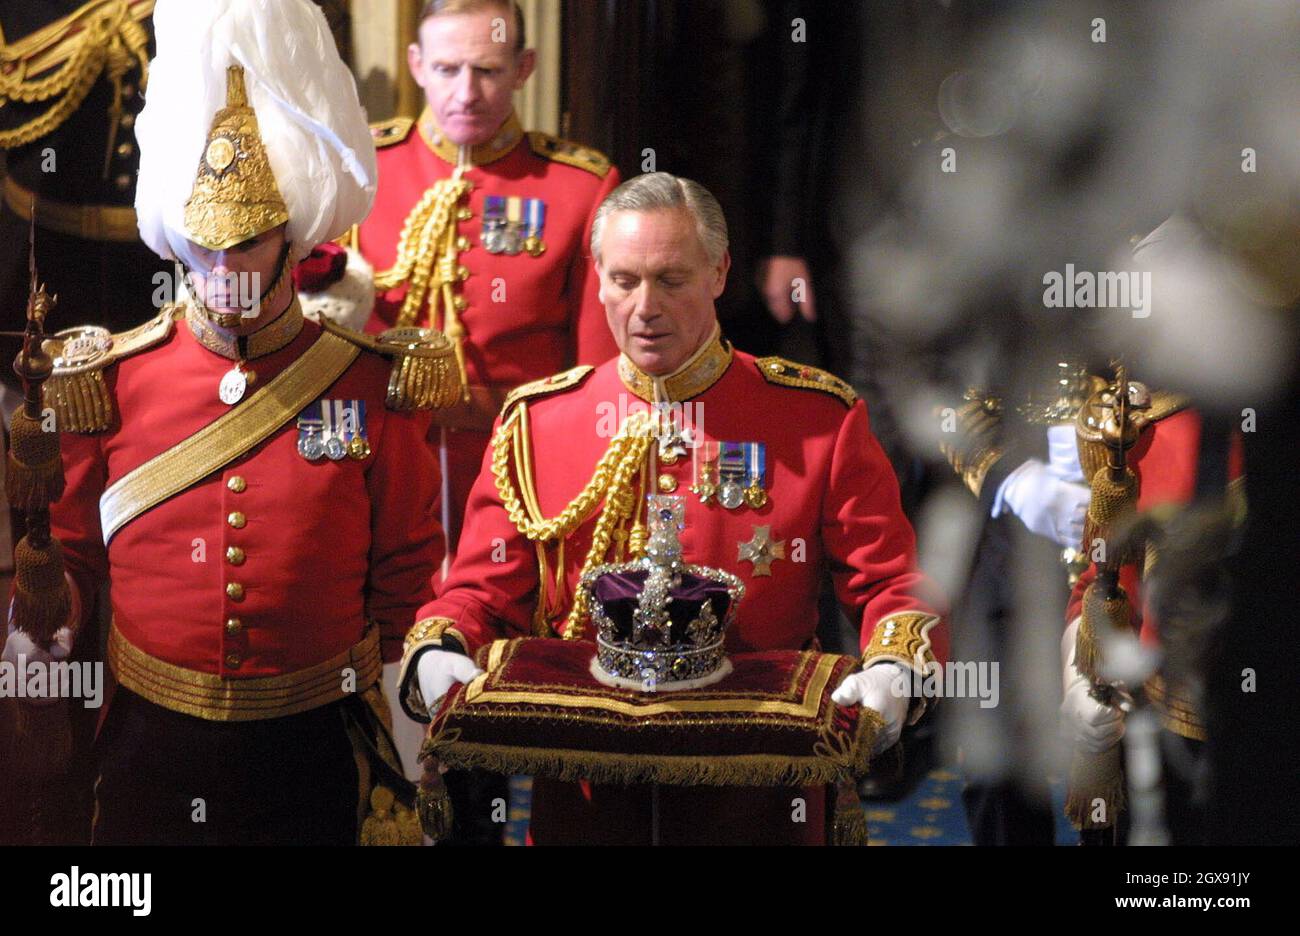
(903,637)
(430,631)
(427,632)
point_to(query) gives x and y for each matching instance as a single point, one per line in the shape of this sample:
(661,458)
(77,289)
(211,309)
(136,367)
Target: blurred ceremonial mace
(1096,787)
(42,598)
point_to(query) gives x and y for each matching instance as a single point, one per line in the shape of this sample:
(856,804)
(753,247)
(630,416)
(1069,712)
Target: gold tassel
(1100,615)
(433,806)
(380,827)
(390,822)
(35,477)
(42,599)
(849,826)
(1111,500)
(1094,778)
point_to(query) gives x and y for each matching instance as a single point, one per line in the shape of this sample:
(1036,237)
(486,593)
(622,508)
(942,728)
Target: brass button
(462,273)
(462,243)
(125,149)
(235,555)
(235,591)
(464,214)
(236,519)
(123,182)
(234,626)
(233,660)
(669,458)
(128,120)
(237,484)
(667,483)
(461,303)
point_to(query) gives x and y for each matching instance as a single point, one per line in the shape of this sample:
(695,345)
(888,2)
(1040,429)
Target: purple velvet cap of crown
(618,592)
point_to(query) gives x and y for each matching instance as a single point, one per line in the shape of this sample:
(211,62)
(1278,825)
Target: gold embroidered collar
(704,368)
(264,341)
(506,139)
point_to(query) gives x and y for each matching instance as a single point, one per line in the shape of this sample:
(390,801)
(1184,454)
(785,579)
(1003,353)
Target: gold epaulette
(974,444)
(425,375)
(1164,403)
(569,153)
(547,385)
(778,370)
(76,391)
(388,132)
(1150,407)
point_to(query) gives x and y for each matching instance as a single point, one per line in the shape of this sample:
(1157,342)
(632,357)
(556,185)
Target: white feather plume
(308,111)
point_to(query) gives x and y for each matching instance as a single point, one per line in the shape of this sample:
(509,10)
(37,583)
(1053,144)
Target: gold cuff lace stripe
(212,697)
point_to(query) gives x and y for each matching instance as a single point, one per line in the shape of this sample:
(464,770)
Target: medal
(535,210)
(234,384)
(512,236)
(494,222)
(731,468)
(310,446)
(706,487)
(755,495)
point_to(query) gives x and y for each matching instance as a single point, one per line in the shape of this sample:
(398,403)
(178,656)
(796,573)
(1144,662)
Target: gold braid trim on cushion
(611,482)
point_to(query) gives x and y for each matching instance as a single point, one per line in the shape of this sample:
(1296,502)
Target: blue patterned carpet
(931,815)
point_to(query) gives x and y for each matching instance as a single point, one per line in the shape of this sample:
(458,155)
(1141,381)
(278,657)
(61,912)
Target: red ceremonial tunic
(274,563)
(524,316)
(833,503)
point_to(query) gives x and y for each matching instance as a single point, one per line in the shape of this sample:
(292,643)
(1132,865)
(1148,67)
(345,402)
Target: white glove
(439,670)
(1047,505)
(884,687)
(1063,453)
(1088,723)
(21,643)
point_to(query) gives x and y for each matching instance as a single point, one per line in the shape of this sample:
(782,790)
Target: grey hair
(659,191)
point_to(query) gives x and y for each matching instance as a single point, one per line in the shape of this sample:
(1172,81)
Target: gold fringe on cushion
(35,476)
(604,767)
(1095,777)
(42,599)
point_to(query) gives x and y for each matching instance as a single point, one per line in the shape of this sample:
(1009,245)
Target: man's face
(469,70)
(658,286)
(231,281)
